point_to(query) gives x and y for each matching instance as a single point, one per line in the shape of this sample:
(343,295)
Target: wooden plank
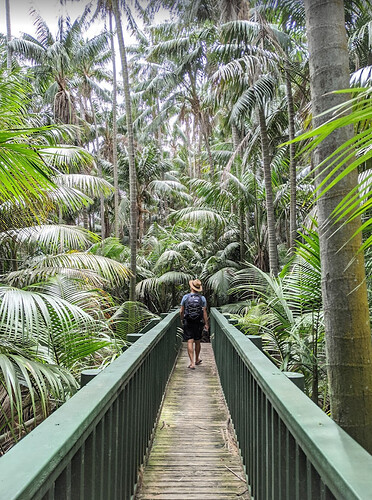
(194,453)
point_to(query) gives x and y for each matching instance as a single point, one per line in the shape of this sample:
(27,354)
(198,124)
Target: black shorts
(192,330)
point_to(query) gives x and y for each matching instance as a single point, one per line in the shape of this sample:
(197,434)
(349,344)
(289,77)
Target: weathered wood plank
(194,454)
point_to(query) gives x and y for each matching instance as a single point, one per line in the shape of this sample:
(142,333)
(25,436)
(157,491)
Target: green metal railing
(92,447)
(291,449)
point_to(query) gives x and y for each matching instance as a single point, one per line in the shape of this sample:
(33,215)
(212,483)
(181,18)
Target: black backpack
(194,307)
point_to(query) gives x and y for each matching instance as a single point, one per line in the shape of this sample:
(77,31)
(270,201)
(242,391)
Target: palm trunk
(292,166)
(205,132)
(8,36)
(99,170)
(198,160)
(236,139)
(114,132)
(344,291)
(242,231)
(85,218)
(188,143)
(132,166)
(210,158)
(236,142)
(273,251)
(14,256)
(315,368)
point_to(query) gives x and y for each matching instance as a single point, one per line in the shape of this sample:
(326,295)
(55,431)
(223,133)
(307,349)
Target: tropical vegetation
(194,160)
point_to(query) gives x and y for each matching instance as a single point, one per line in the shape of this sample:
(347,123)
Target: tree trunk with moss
(344,291)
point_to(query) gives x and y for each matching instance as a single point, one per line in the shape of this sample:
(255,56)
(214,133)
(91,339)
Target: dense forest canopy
(128,169)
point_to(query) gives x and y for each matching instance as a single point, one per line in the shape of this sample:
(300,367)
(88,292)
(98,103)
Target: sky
(50,10)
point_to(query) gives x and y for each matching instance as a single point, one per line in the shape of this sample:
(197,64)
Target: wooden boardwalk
(194,455)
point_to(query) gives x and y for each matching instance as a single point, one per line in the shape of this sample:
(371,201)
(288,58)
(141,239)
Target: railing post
(153,322)
(297,378)
(256,340)
(290,447)
(88,375)
(133,337)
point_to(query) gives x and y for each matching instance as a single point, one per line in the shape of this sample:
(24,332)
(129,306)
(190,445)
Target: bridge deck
(194,454)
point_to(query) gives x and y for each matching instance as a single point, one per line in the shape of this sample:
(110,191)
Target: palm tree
(131,151)
(183,80)
(345,303)
(287,312)
(53,62)
(91,57)
(52,317)
(115,130)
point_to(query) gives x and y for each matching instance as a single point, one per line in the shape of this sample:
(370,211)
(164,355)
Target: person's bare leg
(190,352)
(197,352)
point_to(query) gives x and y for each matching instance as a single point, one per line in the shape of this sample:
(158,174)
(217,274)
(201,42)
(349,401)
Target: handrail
(291,449)
(91,448)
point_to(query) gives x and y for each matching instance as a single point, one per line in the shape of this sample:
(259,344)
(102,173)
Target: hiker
(194,318)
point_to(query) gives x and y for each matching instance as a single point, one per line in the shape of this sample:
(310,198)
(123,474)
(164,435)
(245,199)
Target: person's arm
(182,312)
(205,317)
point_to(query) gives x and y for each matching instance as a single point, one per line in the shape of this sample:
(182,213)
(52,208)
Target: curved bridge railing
(291,449)
(91,448)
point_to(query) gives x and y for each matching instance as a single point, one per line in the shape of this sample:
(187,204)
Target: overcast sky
(50,10)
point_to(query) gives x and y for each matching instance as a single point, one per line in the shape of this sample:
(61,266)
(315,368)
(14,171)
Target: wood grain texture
(194,454)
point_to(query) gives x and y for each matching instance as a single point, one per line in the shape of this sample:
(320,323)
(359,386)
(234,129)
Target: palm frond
(88,184)
(113,271)
(52,238)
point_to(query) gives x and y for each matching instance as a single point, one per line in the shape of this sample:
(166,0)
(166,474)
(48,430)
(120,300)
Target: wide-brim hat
(196,285)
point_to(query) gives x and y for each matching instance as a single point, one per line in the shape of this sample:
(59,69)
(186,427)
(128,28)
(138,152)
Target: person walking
(194,317)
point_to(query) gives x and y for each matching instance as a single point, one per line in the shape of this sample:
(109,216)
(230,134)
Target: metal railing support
(88,375)
(133,337)
(291,449)
(297,378)
(92,446)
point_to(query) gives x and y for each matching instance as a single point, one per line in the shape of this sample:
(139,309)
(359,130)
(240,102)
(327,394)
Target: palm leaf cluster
(54,294)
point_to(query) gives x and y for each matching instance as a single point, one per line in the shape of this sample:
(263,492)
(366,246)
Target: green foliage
(201,196)
(287,312)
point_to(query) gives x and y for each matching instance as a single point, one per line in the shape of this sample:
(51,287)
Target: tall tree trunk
(85,218)
(8,36)
(114,131)
(14,256)
(344,291)
(292,166)
(242,231)
(189,148)
(205,129)
(273,251)
(236,142)
(99,170)
(132,166)
(210,158)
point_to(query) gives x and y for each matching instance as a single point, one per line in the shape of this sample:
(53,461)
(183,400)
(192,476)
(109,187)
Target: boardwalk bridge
(120,438)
